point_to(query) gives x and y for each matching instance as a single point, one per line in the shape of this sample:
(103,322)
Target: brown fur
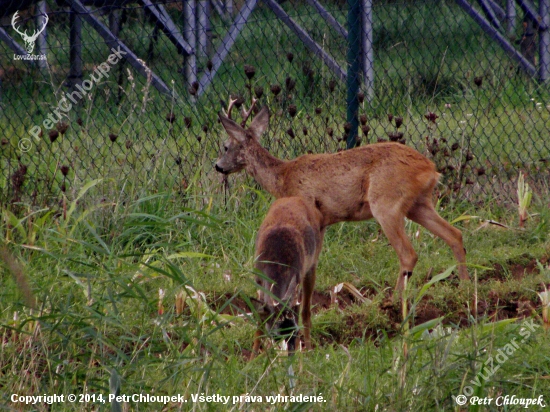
(387,181)
(287,249)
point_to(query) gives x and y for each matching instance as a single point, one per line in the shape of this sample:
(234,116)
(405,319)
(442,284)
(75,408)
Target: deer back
(341,185)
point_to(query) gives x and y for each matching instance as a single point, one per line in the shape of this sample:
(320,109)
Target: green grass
(95,276)
(81,270)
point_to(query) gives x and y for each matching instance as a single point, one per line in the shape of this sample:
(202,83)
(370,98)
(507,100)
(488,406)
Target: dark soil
(496,306)
(516,270)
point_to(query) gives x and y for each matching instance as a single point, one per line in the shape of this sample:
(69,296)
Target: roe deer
(387,181)
(287,249)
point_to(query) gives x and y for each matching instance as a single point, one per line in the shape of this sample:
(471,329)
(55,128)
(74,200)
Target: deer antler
(29,40)
(13,19)
(37,32)
(229,107)
(246,113)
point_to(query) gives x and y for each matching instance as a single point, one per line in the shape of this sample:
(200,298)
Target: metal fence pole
(510,17)
(485,163)
(495,35)
(75,50)
(114,20)
(203,29)
(367,49)
(41,41)
(189,31)
(354,68)
(544,41)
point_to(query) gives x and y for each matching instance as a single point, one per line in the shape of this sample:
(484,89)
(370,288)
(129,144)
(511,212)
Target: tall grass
(98,325)
(133,275)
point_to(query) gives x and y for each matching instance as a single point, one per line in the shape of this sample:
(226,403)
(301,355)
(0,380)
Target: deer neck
(264,168)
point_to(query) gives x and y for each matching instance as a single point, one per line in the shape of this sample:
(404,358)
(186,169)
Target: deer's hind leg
(424,214)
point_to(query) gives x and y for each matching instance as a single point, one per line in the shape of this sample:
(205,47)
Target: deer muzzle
(220,170)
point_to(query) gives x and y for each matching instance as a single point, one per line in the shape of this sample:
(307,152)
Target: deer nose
(220,170)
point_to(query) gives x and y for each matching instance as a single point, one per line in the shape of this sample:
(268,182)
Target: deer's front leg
(307,293)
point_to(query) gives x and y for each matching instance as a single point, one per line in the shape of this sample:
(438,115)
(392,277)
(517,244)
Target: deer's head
(233,157)
(29,40)
(280,316)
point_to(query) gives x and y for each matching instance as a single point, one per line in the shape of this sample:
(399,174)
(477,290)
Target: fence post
(354,68)
(75,50)
(41,41)
(367,49)
(544,41)
(510,18)
(203,11)
(114,20)
(189,31)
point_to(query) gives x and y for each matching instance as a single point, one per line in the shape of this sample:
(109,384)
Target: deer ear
(291,289)
(259,123)
(233,129)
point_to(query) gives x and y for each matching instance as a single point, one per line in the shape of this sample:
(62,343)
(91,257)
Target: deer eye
(225,148)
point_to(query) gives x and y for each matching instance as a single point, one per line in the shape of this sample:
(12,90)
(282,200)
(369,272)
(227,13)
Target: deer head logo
(29,40)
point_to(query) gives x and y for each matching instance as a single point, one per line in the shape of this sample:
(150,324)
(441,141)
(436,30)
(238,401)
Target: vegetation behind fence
(441,85)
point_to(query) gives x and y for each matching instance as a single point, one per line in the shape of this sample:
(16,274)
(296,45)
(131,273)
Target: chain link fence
(129,92)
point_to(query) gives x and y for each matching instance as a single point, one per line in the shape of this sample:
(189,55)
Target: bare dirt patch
(515,270)
(496,306)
